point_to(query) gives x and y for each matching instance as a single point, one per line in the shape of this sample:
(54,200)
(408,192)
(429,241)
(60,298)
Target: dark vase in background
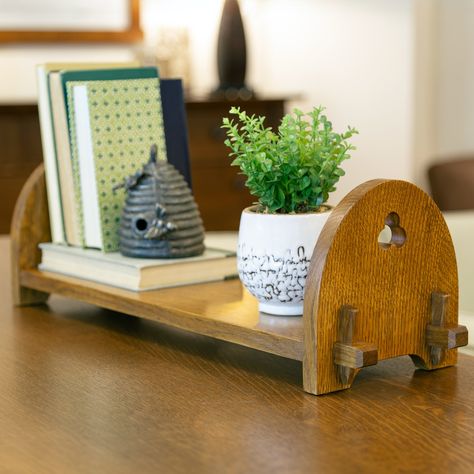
(231,54)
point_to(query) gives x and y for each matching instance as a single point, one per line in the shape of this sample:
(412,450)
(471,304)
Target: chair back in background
(452,184)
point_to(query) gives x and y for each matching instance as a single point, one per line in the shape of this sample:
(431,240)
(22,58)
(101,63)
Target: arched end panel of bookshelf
(29,227)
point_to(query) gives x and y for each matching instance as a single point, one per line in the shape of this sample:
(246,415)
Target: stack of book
(98,122)
(138,274)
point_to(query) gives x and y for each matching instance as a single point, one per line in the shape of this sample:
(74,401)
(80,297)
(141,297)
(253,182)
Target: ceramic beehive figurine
(160,218)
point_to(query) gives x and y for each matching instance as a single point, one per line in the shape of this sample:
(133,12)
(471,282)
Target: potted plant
(291,172)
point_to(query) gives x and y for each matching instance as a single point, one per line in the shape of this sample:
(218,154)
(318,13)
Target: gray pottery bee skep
(160,218)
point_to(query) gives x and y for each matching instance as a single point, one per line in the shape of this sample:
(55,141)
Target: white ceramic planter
(273,256)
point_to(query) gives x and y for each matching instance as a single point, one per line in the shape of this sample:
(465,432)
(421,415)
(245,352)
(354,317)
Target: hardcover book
(50,157)
(64,163)
(137,274)
(112,125)
(176,128)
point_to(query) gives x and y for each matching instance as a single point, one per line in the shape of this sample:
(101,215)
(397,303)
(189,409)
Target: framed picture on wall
(33,21)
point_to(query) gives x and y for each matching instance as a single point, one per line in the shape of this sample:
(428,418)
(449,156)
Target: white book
(49,157)
(137,274)
(87,175)
(48,139)
(72,224)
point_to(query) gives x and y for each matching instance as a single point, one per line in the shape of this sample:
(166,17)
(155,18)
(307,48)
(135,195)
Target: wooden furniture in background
(218,188)
(20,154)
(88,390)
(392,285)
(130,34)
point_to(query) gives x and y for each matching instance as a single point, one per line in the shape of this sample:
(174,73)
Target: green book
(107,74)
(113,123)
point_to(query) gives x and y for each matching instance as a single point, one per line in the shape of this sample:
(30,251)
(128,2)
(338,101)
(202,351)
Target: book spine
(176,130)
(84,273)
(63,156)
(87,175)
(49,158)
(75,161)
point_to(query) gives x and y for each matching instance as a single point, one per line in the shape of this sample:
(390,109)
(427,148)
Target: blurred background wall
(399,71)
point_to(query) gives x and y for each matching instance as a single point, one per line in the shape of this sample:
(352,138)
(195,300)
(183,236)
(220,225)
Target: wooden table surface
(85,390)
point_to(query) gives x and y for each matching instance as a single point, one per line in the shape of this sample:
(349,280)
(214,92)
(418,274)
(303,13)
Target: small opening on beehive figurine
(393,234)
(141,224)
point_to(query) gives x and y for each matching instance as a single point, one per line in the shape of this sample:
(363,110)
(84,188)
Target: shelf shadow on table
(163,341)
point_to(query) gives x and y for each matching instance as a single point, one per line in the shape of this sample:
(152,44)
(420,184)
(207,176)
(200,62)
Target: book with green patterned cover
(113,124)
(107,74)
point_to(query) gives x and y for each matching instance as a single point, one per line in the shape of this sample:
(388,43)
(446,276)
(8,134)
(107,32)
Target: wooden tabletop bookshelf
(414,312)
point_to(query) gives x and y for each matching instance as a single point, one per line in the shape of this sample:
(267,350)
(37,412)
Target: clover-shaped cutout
(393,234)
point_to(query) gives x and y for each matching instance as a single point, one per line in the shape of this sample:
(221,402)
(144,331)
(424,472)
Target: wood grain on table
(86,390)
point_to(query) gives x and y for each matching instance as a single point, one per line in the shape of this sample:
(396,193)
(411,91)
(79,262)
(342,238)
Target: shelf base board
(222,310)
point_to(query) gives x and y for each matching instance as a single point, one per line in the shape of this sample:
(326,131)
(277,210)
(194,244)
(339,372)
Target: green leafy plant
(294,170)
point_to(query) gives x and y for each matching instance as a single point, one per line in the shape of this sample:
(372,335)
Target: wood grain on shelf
(389,284)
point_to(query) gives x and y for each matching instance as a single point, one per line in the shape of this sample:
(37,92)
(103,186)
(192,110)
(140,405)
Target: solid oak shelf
(223,310)
(364,301)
